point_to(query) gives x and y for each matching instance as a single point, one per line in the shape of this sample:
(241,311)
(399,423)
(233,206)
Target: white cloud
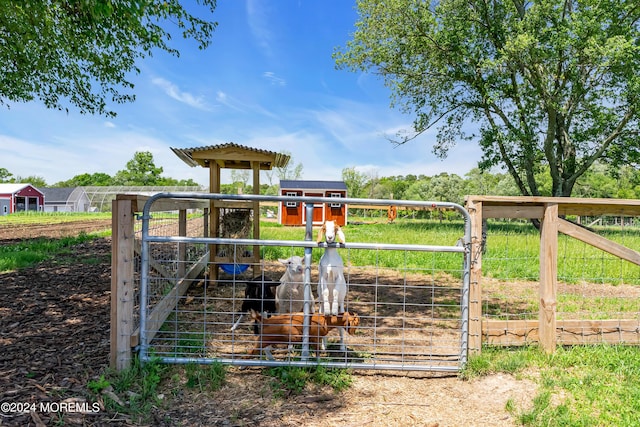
(273,79)
(185,97)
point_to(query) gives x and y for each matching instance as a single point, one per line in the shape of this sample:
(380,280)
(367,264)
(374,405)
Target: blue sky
(267,81)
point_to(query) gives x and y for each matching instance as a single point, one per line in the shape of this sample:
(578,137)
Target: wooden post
(122,283)
(548,277)
(257,267)
(182,247)
(475,287)
(214,218)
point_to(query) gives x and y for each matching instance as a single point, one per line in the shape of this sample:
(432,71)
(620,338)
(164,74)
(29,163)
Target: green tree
(97,179)
(36,181)
(551,84)
(83,53)
(5,175)
(140,170)
(355,181)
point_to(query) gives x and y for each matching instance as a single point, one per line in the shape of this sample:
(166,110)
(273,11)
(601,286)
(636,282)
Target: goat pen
(412,298)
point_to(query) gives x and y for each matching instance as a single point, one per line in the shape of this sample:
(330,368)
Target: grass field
(595,385)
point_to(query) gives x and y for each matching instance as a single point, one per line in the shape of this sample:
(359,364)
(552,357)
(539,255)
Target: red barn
(293,213)
(20,198)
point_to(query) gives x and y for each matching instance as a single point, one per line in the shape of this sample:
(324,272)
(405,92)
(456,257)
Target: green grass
(513,252)
(292,380)
(415,233)
(30,252)
(30,217)
(597,385)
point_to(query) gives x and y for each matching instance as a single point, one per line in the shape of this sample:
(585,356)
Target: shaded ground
(54,338)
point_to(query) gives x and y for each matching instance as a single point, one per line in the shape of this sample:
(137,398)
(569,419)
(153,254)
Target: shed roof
(12,188)
(57,194)
(232,156)
(313,185)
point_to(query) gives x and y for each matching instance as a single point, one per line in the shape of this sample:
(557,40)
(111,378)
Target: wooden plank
(568,332)
(475,286)
(512,211)
(138,201)
(122,283)
(182,247)
(566,205)
(548,277)
(161,310)
(159,268)
(599,242)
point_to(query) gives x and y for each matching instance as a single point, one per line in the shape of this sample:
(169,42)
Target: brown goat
(287,328)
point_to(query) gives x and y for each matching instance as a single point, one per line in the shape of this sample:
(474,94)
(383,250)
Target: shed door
(318,211)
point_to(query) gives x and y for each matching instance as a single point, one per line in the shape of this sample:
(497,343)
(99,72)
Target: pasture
(54,330)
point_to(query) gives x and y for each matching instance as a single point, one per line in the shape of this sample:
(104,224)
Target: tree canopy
(553,86)
(82,52)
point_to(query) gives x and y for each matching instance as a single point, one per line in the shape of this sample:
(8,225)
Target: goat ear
(321,233)
(340,234)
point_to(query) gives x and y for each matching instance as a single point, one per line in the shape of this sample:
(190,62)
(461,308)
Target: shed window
(335,195)
(291,204)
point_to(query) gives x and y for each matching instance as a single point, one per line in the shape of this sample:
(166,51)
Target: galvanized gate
(412,298)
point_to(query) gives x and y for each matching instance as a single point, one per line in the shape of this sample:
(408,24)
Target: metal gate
(412,298)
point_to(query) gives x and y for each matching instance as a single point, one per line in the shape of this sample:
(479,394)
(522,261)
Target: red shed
(292,213)
(20,198)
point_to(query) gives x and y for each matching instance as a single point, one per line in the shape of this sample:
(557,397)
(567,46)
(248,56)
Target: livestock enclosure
(572,278)
(173,300)
(574,281)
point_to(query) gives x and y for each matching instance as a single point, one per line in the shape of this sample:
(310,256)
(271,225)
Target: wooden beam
(214,216)
(548,277)
(569,332)
(257,269)
(523,211)
(161,310)
(475,276)
(122,283)
(566,205)
(599,242)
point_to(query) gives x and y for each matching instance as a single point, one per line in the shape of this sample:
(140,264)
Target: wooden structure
(20,198)
(293,213)
(232,156)
(549,210)
(125,334)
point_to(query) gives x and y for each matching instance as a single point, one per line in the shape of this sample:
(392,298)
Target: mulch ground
(54,336)
(54,339)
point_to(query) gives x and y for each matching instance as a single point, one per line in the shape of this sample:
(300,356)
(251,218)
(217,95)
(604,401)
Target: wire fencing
(411,299)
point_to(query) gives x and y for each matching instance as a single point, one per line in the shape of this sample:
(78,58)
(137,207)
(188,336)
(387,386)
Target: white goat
(290,292)
(332,286)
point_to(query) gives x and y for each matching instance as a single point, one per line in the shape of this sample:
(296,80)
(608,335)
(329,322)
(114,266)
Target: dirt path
(54,338)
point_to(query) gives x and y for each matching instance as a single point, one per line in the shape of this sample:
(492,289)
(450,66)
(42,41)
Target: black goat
(259,295)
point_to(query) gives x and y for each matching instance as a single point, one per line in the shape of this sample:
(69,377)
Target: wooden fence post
(182,247)
(475,288)
(122,283)
(548,277)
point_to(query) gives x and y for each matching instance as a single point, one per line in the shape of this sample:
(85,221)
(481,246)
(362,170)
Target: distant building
(66,199)
(20,198)
(293,213)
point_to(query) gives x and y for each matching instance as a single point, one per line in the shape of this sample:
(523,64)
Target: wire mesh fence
(597,292)
(411,314)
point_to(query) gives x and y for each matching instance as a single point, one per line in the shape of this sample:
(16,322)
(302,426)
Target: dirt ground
(54,338)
